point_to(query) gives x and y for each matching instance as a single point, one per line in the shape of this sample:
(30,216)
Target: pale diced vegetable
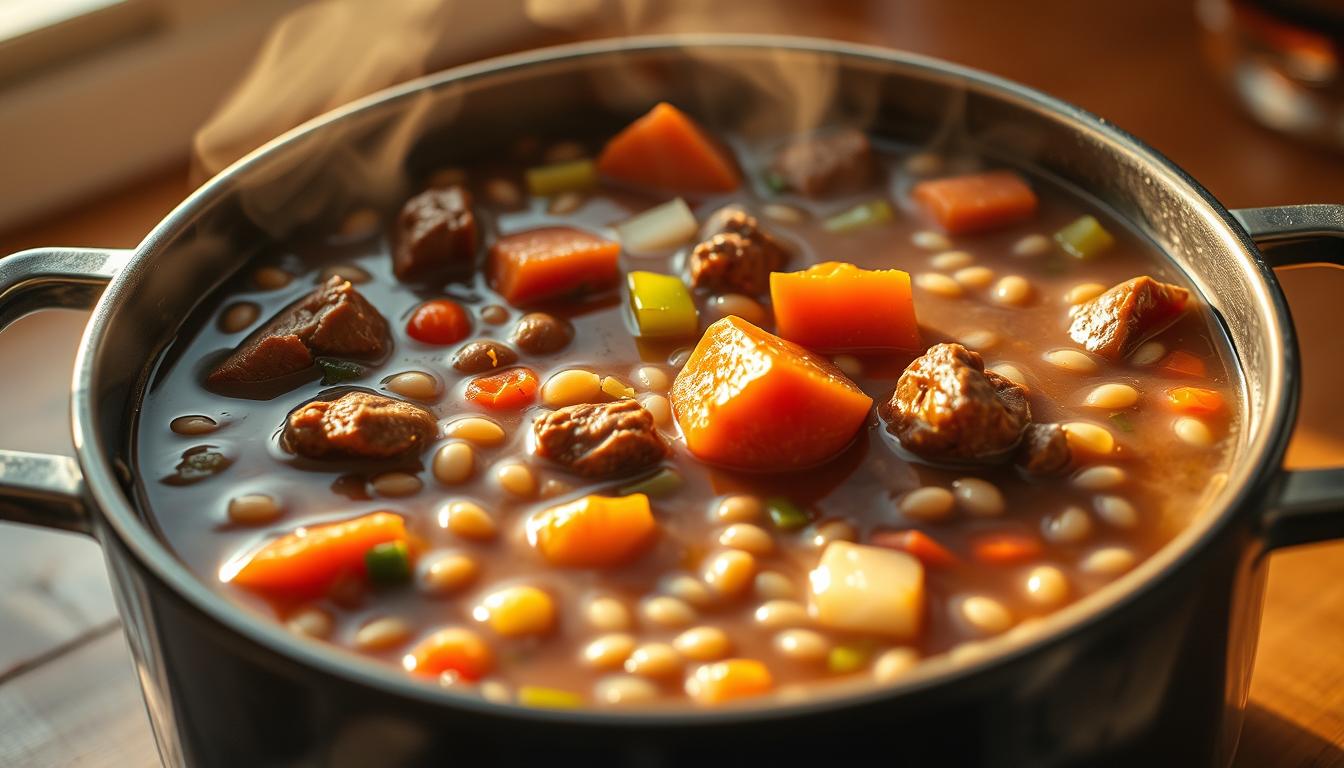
(857,588)
(662,305)
(1084,237)
(868,214)
(571,176)
(659,228)
(616,389)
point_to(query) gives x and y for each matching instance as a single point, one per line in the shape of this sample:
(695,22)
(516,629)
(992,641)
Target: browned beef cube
(437,240)
(600,440)
(333,320)
(1115,323)
(820,165)
(1045,451)
(948,408)
(736,255)
(358,425)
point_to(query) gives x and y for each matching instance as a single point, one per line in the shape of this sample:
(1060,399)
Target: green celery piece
(548,698)
(662,305)
(570,176)
(338,371)
(664,483)
(786,515)
(846,658)
(1121,421)
(775,183)
(869,214)
(1084,237)
(388,564)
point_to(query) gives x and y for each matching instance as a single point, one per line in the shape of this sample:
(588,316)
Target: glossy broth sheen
(1164,477)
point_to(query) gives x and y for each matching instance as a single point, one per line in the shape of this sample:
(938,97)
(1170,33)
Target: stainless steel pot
(1154,667)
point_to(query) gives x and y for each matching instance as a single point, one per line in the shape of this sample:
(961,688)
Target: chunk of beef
(541,334)
(333,320)
(832,162)
(948,408)
(1045,451)
(735,255)
(358,425)
(483,355)
(600,440)
(437,238)
(1115,323)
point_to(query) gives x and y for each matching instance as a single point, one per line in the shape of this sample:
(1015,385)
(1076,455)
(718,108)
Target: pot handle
(1309,505)
(36,488)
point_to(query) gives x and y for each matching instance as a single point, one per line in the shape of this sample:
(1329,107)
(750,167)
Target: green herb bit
(1084,237)
(786,515)
(388,564)
(570,176)
(846,658)
(775,183)
(869,214)
(338,371)
(548,698)
(664,483)
(1121,421)
(198,464)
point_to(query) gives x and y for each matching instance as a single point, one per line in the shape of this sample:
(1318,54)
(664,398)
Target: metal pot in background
(1153,668)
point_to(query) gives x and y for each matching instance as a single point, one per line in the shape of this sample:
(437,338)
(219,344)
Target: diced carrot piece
(838,307)
(594,531)
(304,564)
(976,203)
(917,543)
(455,649)
(1195,400)
(727,680)
(513,388)
(1005,548)
(1182,363)
(751,400)
(668,150)
(552,263)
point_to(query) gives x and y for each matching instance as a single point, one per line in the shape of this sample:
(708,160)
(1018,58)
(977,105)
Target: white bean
(931,241)
(979,339)
(667,611)
(475,429)
(985,614)
(608,614)
(416,385)
(396,484)
(736,304)
(703,644)
(1013,290)
(1108,561)
(974,277)
(738,509)
(1193,431)
(1071,360)
(1112,397)
(453,463)
(786,214)
(239,316)
(773,585)
(652,378)
(654,660)
(624,689)
(730,572)
(980,498)
(749,538)
(1010,372)
(938,284)
(894,663)
(928,504)
(609,651)
(254,509)
(193,425)
(659,407)
(382,633)
(312,622)
(1117,511)
(1069,526)
(781,614)
(1047,586)
(517,479)
(951,260)
(571,387)
(447,573)
(1088,439)
(1083,292)
(1148,353)
(1032,245)
(802,645)
(1099,478)
(467,520)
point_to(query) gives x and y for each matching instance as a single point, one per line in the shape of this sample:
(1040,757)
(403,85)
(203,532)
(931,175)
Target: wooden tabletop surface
(68,694)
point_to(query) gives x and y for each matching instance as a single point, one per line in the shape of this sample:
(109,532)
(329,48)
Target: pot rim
(1260,462)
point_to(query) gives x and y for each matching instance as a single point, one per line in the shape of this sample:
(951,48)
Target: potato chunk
(857,588)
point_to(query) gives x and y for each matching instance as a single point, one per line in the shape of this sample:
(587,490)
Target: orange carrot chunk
(838,307)
(1195,400)
(751,400)
(917,543)
(513,388)
(727,680)
(552,263)
(455,649)
(306,563)
(1006,548)
(593,532)
(666,149)
(1182,363)
(976,203)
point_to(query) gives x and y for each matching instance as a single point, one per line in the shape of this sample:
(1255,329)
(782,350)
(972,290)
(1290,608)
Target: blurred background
(111,111)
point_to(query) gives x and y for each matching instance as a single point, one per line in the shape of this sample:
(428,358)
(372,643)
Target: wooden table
(67,691)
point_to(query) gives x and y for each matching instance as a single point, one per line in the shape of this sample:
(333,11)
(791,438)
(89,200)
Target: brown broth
(1166,477)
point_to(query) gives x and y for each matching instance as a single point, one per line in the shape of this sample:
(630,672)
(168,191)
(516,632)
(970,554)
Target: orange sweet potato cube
(838,307)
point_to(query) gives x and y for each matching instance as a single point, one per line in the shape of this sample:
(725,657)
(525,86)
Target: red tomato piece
(917,543)
(440,321)
(1006,548)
